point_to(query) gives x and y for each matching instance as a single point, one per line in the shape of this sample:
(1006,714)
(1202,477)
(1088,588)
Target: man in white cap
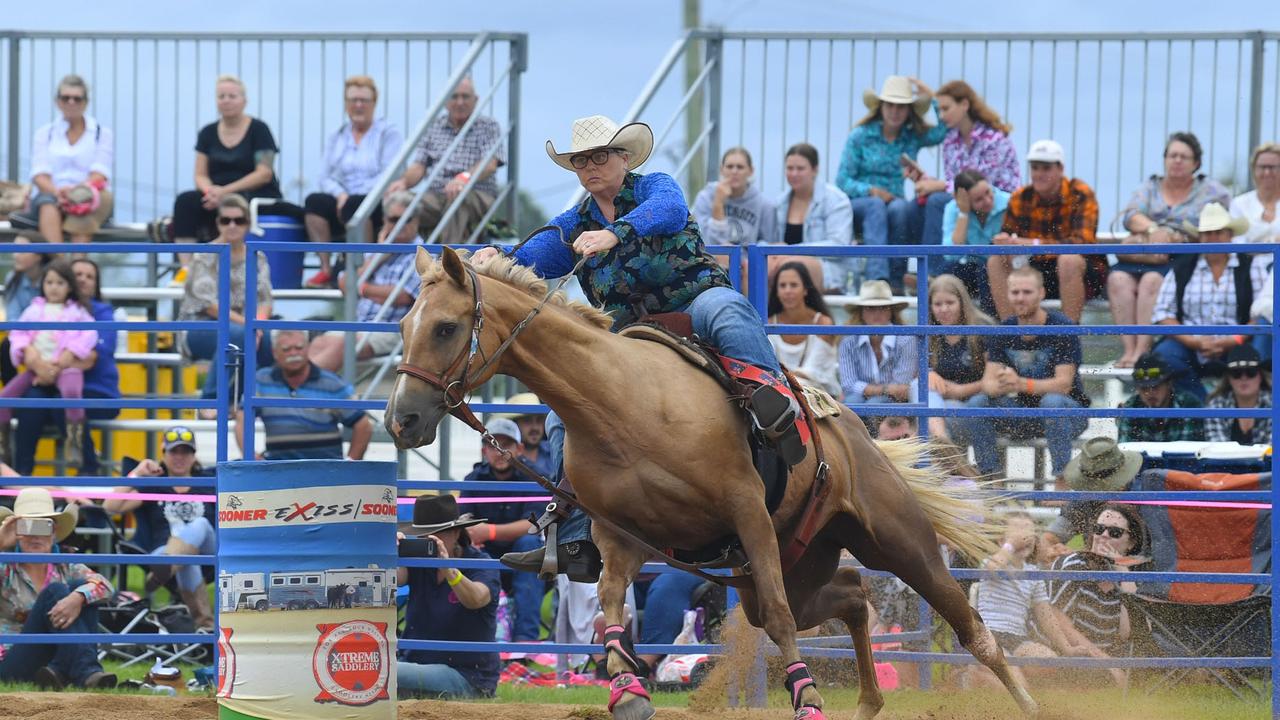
(1207,289)
(1052,210)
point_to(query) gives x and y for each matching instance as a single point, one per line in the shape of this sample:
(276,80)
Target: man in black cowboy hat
(448,604)
(1153,378)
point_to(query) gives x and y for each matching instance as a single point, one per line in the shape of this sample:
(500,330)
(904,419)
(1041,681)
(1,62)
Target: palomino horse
(653,446)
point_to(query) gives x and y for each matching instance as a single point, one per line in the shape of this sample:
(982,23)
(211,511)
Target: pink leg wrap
(625,683)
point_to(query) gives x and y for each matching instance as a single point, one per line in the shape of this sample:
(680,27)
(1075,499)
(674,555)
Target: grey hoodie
(747,220)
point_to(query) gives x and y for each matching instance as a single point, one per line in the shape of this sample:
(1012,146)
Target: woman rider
(643,246)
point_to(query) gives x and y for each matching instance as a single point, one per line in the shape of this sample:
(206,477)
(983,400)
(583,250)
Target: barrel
(286,267)
(306,590)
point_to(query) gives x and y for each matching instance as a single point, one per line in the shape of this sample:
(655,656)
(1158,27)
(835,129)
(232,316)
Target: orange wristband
(493,532)
(1031,386)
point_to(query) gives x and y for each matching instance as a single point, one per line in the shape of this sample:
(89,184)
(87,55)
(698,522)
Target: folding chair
(1200,619)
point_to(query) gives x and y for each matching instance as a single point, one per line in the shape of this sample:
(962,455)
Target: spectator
(1052,210)
(957,362)
(1206,289)
(71,161)
(467,162)
(974,217)
(1101,466)
(1247,385)
(1153,379)
(508,526)
(52,357)
(977,141)
(177,526)
(1258,206)
(871,170)
(47,598)
(794,299)
(101,379)
(1261,313)
(1028,371)
(448,604)
(1155,214)
(234,156)
(354,158)
(302,433)
(200,298)
(388,270)
(731,210)
(813,213)
(877,368)
(895,427)
(535,448)
(20,288)
(1092,620)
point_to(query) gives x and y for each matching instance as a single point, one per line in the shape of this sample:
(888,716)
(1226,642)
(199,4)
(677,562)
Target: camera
(419,547)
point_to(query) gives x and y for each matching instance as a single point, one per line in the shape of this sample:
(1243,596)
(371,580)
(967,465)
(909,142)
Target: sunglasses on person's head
(224,220)
(598,157)
(176,435)
(1147,374)
(1244,372)
(1111,531)
(71,98)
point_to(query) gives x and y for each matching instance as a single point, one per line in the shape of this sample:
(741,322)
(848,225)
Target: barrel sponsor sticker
(226,663)
(305,506)
(351,662)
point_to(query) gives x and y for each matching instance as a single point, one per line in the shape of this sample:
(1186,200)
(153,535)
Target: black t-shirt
(956,362)
(1037,356)
(227,165)
(153,516)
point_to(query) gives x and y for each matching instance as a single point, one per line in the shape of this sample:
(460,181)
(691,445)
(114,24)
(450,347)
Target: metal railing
(1111,99)
(156,90)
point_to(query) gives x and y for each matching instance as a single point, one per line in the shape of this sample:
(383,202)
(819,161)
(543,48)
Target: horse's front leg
(628,700)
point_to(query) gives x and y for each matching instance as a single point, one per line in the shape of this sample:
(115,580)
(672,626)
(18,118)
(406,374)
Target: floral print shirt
(871,161)
(990,152)
(1149,201)
(659,256)
(18,593)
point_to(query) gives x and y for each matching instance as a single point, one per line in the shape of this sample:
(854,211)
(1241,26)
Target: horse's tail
(959,511)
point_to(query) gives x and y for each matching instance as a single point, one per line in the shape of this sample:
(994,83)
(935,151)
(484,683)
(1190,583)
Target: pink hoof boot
(636,709)
(809,712)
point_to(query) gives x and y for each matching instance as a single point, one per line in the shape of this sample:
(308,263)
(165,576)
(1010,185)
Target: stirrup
(775,415)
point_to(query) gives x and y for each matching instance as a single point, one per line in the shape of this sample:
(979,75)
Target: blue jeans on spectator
(1058,432)
(526,587)
(75,661)
(895,223)
(1185,364)
(198,534)
(669,597)
(32,421)
(1262,343)
(934,207)
(203,345)
(433,681)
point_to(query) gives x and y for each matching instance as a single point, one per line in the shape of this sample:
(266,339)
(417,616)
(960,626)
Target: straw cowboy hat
(596,132)
(897,89)
(1215,217)
(524,398)
(437,513)
(34,502)
(874,293)
(1102,466)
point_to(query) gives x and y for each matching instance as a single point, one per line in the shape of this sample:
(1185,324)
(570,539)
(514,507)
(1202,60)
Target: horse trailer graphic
(307,589)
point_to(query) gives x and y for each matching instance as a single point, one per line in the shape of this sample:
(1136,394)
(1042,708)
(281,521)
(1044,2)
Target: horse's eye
(445,330)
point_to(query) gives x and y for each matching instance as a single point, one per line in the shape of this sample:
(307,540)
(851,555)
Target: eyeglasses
(291,348)
(359,101)
(179,434)
(1249,372)
(598,157)
(72,98)
(1111,531)
(1266,169)
(1179,156)
(1147,374)
(224,220)
(462,96)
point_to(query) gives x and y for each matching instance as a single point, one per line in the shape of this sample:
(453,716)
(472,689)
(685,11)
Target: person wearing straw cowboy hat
(643,247)
(1207,289)
(42,597)
(872,168)
(533,433)
(877,368)
(1101,466)
(448,603)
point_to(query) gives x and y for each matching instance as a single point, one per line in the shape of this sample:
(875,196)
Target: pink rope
(161,497)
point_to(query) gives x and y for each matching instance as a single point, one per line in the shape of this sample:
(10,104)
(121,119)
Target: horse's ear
(423,262)
(453,267)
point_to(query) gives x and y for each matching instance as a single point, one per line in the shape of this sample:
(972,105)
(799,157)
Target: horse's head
(437,334)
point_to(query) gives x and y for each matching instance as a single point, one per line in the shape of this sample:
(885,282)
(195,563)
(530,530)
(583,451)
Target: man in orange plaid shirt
(1052,210)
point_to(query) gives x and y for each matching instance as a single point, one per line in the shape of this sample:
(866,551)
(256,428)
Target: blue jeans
(576,527)
(664,607)
(1185,364)
(1262,343)
(203,345)
(72,661)
(199,534)
(934,207)
(898,223)
(433,681)
(33,420)
(1058,432)
(526,587)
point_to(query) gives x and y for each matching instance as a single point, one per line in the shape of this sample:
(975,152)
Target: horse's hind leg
(628,700)
(843,598)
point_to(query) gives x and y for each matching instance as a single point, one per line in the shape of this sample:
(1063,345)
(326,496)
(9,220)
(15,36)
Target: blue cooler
(286,267)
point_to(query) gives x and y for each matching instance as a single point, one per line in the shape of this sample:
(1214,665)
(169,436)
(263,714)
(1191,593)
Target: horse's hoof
(633,707)
(809,712)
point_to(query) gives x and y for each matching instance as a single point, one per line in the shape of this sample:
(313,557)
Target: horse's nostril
(407,420)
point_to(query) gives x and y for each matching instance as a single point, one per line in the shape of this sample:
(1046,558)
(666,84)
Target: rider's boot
(575,555)
(775,412)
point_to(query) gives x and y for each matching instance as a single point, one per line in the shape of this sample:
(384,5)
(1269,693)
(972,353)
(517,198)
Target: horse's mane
(505,270)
